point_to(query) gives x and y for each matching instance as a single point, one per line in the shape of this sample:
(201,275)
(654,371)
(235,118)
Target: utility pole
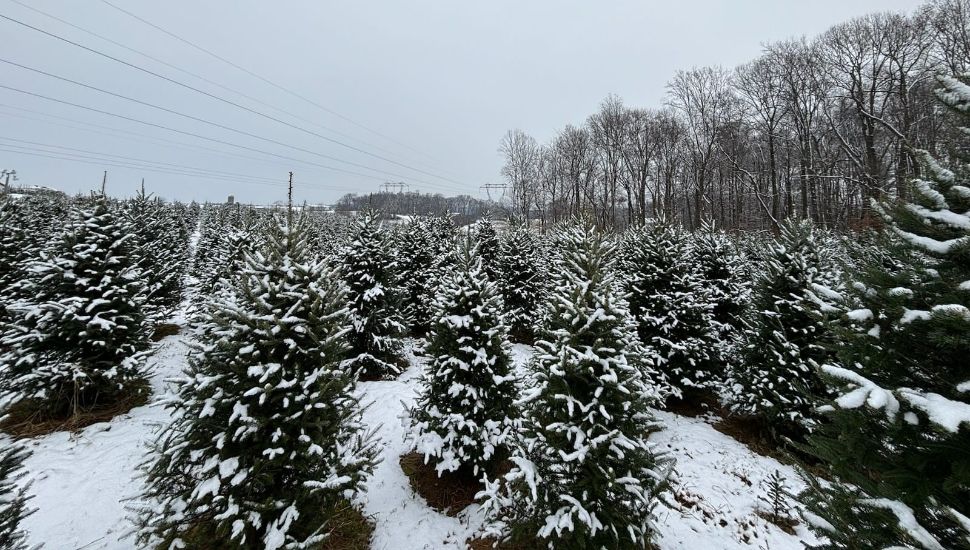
(104,182)
(289,202)
(143,187)
(6,175)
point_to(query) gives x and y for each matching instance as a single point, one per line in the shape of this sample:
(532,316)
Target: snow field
(81,481)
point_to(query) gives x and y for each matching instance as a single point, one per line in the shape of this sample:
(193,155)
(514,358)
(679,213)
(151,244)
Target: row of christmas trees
(852,356)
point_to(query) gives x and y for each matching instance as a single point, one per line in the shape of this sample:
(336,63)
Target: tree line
(813,128)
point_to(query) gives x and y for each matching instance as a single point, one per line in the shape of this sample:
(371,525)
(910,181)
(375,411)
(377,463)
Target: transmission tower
(390,187)
(489,187)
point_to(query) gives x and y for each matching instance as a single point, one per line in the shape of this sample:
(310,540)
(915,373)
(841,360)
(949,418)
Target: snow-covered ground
(82,480)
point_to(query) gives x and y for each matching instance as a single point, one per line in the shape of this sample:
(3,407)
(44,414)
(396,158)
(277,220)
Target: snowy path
(404,521)
(81,481)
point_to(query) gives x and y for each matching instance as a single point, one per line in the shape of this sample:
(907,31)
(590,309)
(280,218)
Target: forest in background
(813,128)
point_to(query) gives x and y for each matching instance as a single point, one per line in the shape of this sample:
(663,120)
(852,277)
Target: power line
(166,165)
(217,98)
(140,137)
(266,80)
(202,120)
(117,164)
(198,76)
(86,126)
(183,132)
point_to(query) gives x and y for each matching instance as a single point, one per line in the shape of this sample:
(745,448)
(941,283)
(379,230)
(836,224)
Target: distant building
(231,200)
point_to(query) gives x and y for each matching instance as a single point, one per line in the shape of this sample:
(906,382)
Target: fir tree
(724,276)
(898,436)
(159,244)
(521,270)
(367,267)
(775,381)
(418,259)
(487,243)
(670,303)
(13,498)
(465,417)
(75,345)
(585,475)
(267,438)
(15,250)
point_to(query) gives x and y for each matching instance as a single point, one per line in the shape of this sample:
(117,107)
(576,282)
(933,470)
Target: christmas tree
(267,439)
(724,277)
(670,303)
(15,250)
(487,243)
(775,382)
(368,268)
(418,256)
(13,497)
(897,437)
(465,416)
(584,475)
(521,277)
(159,244)
(75,345)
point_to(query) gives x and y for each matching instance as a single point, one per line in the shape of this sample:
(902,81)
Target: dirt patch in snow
(30,417)
(164,330)
(450,493)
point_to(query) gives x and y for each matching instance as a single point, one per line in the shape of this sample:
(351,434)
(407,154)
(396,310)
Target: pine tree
(418,259)
(487,243)
(15,250)
(521,268)
(775,381)
(585,475)
(13,498)
(267,438)
(367,267)
(724,276)
(465,416)
(75,345)
(670,303)
(159,244)
(897,437)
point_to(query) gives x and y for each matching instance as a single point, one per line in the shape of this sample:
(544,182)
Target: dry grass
(30,418)
(451,493)
(350,529)
(164,330)
(786,524)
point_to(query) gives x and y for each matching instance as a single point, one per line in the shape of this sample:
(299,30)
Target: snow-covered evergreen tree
(267,437)
(898,434)
(670,303)
(785,339)
(521,270)
(368,268)
(75,343)
(159,248)
(15,250)
(724,276)
(487,243)
(465,416)
(585,475)
(418,259)
(13,496)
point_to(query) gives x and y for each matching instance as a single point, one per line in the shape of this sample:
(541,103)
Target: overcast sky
(427,88)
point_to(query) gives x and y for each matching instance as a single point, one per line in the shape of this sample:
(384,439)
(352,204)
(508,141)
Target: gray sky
(442,79)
